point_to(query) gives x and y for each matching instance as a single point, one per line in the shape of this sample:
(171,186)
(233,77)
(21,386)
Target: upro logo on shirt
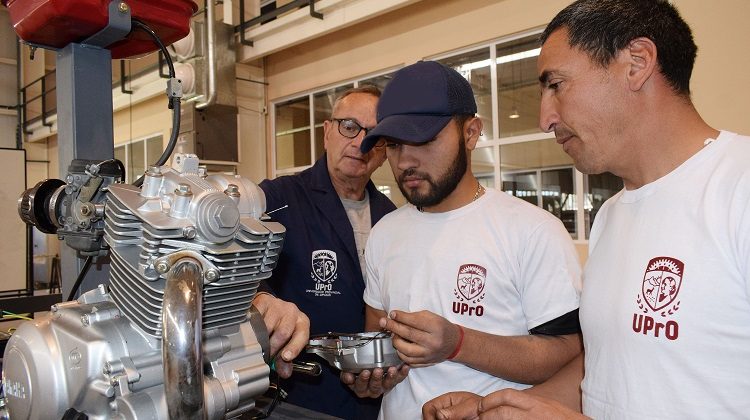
(324,271)
(469,290)
(659,289)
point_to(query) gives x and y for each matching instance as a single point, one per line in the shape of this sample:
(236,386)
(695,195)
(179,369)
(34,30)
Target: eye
(350,125)
(554,85)
(392,145)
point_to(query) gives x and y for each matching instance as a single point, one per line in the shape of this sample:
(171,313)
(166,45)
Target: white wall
(433,27)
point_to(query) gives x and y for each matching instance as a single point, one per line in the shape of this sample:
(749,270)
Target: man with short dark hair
(477,286)
(328,211)
(665,310)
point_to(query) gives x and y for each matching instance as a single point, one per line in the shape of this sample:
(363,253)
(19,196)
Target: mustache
(563,132)
(412,173)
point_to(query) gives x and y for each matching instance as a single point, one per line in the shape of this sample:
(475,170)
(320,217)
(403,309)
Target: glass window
(137,155)
(120,154)
(518,87)
(154,149)
(558,196)
(483,161)
(599,188)
(137,159)
(293,136)
(540,173)
(323,107)
(379,81)
(475,67)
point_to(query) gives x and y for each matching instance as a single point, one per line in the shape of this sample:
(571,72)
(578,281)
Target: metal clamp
(163,264)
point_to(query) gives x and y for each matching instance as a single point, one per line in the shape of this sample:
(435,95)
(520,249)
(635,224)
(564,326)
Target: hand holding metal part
(368,361)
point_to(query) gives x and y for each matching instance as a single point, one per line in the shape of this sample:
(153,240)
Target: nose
(548,114)
(356,142)
(403,157)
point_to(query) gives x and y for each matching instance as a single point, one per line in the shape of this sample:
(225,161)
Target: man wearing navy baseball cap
(478,287)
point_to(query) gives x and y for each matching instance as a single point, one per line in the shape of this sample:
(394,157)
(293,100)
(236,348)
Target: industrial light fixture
(514,114)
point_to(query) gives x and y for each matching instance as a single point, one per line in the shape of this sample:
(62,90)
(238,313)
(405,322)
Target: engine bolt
(162,267)
(85,320)
(123,7)
(232,191)
(211,275)
(189,232)
(183,190)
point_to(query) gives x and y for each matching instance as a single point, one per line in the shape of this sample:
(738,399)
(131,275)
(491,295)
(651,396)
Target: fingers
(284,369)
(299,339)
(397,323)
(287,326)
(373,383)
(507,397)
(394,376)
(453,405)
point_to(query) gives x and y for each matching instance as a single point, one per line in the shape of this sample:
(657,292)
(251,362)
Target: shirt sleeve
(550,282)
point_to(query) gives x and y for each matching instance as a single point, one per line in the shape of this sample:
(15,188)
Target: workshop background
(279,65)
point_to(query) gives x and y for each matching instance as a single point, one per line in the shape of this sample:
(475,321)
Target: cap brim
(408,128)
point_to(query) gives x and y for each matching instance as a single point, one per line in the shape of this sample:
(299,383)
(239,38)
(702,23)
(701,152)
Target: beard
(439,188)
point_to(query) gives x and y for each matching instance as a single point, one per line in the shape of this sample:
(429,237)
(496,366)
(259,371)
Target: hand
(375,383)
(288,329)
(422,338)
(453,405)
(518,405)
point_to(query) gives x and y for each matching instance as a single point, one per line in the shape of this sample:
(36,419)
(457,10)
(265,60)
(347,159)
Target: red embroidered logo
(659,289)
(469,289)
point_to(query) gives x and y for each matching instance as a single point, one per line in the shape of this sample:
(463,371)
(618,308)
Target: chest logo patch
(657,300)
(662,282)
(470,281)
(323,271)
(324,265)
(469,290)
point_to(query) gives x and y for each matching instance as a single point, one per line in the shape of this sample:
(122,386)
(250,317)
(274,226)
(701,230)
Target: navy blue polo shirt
(319,271)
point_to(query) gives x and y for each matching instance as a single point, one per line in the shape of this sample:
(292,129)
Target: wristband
(460,341)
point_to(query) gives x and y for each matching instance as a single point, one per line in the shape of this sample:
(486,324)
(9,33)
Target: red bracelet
(460,341)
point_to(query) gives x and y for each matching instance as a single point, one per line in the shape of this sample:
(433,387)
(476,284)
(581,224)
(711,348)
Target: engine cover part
(356,352)
(85,354)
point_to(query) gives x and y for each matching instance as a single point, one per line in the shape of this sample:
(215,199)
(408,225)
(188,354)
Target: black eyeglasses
(350,129)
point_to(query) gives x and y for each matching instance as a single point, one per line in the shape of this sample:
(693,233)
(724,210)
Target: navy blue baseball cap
(419,102)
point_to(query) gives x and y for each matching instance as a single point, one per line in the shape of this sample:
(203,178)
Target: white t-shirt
(498,265)
(358,213)
(665,310)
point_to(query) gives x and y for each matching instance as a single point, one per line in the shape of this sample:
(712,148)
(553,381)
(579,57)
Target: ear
(641,58)
(472,131)
(327,127)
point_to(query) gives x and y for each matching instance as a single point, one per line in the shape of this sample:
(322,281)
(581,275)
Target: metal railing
(43,91)
(270,13)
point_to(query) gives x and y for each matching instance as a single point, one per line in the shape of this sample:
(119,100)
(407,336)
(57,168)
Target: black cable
(81,275)
(142,26)
(120,166)
(174,102)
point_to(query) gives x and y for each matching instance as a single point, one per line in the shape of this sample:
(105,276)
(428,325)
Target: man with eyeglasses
(328,211)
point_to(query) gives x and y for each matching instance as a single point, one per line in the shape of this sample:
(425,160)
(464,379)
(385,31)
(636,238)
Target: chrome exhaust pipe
(182,350)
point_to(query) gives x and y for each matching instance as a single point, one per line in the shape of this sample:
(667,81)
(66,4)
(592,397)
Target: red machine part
(57,23)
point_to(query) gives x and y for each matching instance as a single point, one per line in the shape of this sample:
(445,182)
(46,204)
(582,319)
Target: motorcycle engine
(105,355)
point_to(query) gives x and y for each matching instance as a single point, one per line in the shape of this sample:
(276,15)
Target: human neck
(350,188)
(467,190)
(663,142)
